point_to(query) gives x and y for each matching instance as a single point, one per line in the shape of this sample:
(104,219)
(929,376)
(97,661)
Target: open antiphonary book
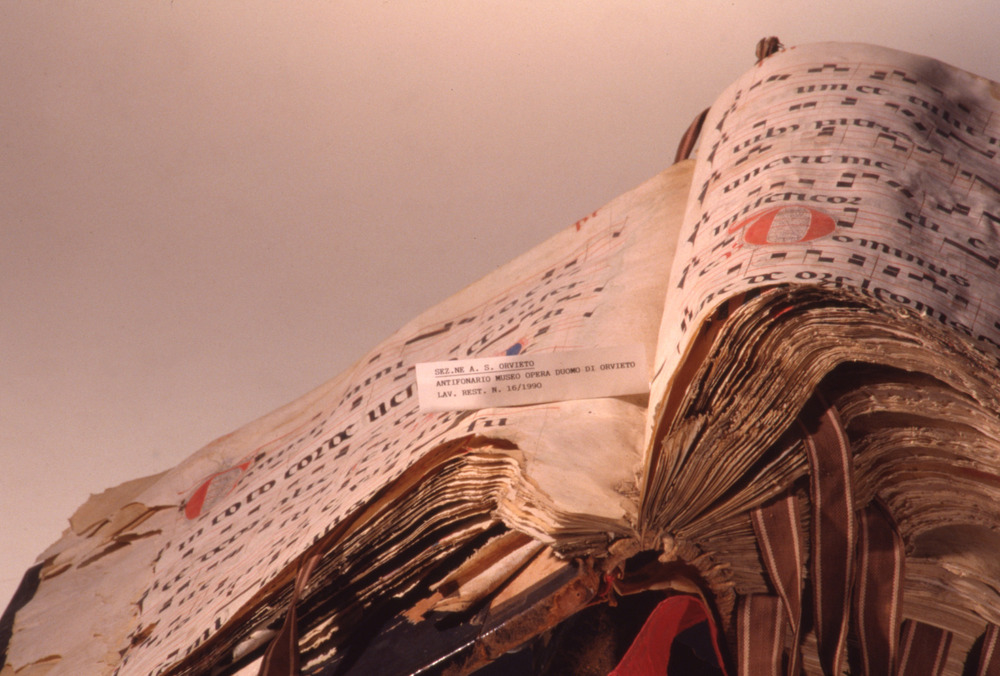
(743,419)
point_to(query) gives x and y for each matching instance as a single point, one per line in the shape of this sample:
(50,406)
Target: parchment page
(207,536)
(846,166)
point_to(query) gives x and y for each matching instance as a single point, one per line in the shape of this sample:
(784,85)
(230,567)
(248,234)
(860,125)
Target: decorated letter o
(214,489)
(785,225)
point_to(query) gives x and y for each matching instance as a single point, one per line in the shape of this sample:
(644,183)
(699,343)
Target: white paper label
(531,378)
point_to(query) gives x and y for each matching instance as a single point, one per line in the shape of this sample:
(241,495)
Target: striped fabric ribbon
(856,568)
(923,649)
(855,562)
(760,633)
(989,659)
(878,593)
(833,530)
(780,538)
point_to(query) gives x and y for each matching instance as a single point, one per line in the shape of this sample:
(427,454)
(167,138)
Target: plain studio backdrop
(210,208)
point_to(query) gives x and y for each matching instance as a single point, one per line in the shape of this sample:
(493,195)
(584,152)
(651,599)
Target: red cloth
(649,654)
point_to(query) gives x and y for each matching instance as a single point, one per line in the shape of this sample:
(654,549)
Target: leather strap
(690,137)
(282,655)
